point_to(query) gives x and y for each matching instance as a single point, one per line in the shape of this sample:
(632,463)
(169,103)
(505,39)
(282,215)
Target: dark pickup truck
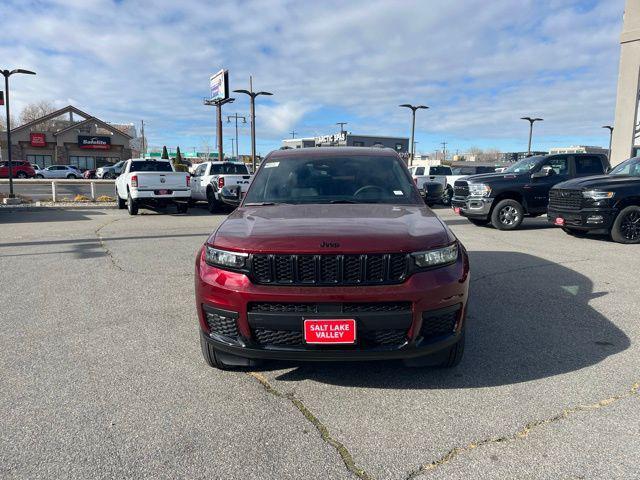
(504,199)
(601,204)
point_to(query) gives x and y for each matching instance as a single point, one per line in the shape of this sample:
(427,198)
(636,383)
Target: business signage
(38,139)
(94,143)
(219,85)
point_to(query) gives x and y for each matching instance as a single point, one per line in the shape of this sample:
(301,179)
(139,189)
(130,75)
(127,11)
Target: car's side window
(200,170)
(559,164)
(419,171)
(588,165)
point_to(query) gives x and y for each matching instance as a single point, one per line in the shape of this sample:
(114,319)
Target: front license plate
(559,221)
(341,330)
(456,210)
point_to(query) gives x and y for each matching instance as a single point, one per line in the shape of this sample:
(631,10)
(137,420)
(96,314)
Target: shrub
(105,198)
(81,198)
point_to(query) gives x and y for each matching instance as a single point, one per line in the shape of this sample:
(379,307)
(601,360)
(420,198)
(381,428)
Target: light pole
(413,126)
(233,152)
(531,122)
(252,96)
(7,74)
(218,104)
(610,128)
(244,120)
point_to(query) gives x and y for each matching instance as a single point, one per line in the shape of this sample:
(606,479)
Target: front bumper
(472,207)
(433,297)
(587,219)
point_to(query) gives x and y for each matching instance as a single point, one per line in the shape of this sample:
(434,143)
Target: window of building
(43,161)
(358,144)
(83,163)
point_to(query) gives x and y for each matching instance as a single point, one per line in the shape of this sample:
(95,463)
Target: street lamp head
(422,106)
(529,119)
(21,70)
(264,93)
(608,127)
(246,92)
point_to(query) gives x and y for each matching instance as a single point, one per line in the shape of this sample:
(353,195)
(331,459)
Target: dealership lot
(102,374)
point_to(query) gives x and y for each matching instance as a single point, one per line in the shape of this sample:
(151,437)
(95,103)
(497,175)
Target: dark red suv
(19,169)
(332,255)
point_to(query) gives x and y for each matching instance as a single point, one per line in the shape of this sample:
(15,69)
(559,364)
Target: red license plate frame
(559,221)
(456,210)
(330,331)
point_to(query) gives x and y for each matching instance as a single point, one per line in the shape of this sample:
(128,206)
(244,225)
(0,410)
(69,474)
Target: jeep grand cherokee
(332,255)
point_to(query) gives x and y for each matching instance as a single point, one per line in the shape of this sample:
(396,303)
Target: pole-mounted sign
(219,86)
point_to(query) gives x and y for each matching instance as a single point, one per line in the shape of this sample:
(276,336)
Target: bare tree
(35,110)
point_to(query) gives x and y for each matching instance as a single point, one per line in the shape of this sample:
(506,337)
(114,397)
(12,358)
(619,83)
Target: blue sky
(480,65)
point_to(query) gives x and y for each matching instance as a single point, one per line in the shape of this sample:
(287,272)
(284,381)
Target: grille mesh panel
(221,324)
(570,199)
(329,269)
(434,326)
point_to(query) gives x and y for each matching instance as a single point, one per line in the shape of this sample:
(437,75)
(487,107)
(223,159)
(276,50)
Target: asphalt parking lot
(102,375)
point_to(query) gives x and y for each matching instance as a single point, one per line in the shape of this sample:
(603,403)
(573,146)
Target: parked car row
(578,192)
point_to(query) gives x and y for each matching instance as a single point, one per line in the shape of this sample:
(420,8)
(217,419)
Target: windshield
(354,179)
(524,165)
(440,170)
(630,168)
(150,166)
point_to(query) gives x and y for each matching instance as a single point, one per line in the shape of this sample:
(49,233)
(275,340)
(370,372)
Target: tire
(21,175)
(224,361)
(574,232)
(39,176)
(430,204)
(131,205)
(448,358)
(507,215)
(626,227)
(70,177)
(448,195)
(122,204)
(478,222)
(213,204)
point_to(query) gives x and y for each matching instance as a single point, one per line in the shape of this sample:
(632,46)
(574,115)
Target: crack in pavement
(325,435)
(523,432)
(116,265)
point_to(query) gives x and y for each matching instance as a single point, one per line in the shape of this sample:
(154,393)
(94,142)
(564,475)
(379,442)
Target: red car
(332,255)
(19,169)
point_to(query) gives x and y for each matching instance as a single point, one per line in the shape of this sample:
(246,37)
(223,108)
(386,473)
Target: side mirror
(545,171)
(231,195)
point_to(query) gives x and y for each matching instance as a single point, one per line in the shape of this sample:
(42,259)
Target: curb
(14,208)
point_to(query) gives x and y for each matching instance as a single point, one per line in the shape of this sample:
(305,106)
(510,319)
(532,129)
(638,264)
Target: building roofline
(52,115)
(96,120)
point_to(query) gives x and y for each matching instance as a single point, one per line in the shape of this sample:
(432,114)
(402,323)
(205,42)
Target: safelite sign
(94,143)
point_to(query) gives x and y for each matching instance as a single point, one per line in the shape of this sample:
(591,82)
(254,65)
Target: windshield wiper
(343,201)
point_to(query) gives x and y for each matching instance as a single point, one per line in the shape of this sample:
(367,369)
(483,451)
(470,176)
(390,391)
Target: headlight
(222,258)
(597,194)
(479,189)
(433,258)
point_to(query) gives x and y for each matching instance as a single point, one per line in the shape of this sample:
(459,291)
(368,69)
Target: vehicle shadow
(528,319)
(48,214)
(527,224)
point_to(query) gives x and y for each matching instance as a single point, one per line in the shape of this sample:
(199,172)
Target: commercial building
(69,136)
(579,149)
(626,134)
(347,139)
(516,156)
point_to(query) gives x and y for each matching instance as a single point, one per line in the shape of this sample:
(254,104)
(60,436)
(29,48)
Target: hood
(342,228)
(489,177)
(598,181)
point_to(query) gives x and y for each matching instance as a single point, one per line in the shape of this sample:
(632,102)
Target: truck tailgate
(243,180)
(162,180)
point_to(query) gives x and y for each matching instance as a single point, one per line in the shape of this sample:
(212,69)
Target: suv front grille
(435,324)
(569,199)
(386,337)
(221,324)
(329,269)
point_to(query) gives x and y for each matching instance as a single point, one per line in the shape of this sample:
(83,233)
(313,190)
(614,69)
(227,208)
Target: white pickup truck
(145,182)
(423,174)
(209,178)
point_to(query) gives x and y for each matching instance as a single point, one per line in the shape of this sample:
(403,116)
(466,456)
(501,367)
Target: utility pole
(233,154)
(342,124)
(244,120)
(143,146)
(252,96)
(218,104)
(293,134)
(444,151)
(413,126)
